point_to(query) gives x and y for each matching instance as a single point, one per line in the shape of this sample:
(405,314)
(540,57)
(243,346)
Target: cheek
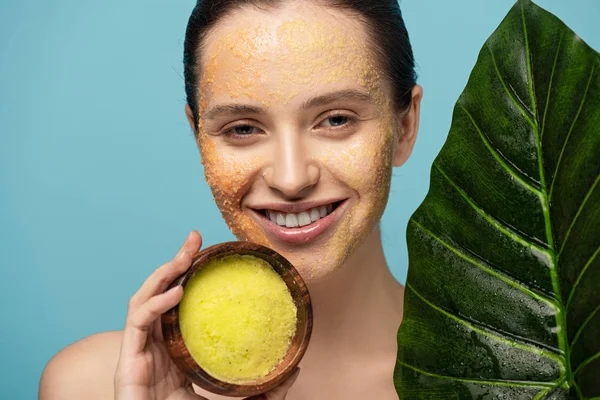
(365,165)
(373,170)
(229,177)
(224,173)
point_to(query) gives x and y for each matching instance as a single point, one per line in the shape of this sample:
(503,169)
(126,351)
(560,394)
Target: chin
(315,261)
(312,268)
(321,260)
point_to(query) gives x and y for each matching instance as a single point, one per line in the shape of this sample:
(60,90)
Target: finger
(156,330)
(159,280)
(139,322)
(280,392)
(162,277)
(192,243)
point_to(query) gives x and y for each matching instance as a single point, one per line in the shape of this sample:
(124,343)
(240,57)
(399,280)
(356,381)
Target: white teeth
(303,219)
(272,216)
(314,214)
(280,219)
(291,220)
(322,211)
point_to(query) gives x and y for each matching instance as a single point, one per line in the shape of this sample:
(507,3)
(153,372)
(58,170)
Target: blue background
(100,178)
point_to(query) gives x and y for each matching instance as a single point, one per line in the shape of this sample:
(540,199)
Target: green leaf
(503,290)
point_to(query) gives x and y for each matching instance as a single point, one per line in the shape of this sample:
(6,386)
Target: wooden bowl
(304,321)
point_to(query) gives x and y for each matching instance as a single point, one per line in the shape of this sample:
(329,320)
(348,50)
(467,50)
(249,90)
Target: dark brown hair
(382,18)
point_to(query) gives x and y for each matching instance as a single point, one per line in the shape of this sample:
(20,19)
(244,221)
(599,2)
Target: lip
(304,234)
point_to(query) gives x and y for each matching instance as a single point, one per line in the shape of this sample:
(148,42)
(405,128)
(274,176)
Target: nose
(291,172)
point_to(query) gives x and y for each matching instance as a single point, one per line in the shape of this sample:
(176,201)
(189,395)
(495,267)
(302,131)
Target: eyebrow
(350,94)
(232,109)
(317,101)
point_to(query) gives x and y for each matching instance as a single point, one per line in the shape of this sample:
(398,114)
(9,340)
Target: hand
(145,369)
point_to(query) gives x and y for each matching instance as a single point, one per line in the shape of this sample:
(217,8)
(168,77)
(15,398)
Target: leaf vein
(511,383)
(529,67)
(506,164)
(583,271)
(512,282)
(521,110)
(587,196)
(586,362)
(564,146)
(584,324)
(500,226)
(559,316)
(578,390)
(489,331)
(550,85)
(541,395)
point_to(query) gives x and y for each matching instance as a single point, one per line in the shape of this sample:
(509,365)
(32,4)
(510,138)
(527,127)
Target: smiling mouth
(301,219)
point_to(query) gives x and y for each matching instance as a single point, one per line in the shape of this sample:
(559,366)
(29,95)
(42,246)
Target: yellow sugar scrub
(237,318)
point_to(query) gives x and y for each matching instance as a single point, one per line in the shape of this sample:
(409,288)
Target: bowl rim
(304,322)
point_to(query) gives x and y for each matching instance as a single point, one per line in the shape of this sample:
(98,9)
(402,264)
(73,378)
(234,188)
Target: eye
(336,120)
(337,123)
(241,132)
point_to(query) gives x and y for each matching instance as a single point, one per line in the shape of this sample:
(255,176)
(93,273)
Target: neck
(359,306)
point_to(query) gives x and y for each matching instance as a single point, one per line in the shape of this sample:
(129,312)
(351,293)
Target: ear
(408,126)
(190,117)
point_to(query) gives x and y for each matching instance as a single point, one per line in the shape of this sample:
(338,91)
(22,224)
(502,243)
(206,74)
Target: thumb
(280,392)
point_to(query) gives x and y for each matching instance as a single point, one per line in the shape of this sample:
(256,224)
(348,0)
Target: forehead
(272,57)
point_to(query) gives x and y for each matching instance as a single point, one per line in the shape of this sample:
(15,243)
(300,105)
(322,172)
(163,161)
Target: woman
(300,110)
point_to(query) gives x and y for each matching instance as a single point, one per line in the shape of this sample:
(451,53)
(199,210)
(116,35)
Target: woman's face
(296,132)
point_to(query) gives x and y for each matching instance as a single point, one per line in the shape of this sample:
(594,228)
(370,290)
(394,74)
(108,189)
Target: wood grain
(304,322)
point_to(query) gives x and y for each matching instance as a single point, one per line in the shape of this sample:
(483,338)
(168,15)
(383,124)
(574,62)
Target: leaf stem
(560,315)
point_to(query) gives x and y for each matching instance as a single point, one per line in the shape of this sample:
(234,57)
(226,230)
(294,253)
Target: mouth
(300,227)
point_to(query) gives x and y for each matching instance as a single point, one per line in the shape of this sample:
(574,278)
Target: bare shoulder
(83,370)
